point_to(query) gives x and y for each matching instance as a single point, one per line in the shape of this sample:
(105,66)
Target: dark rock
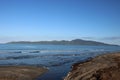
(35,52)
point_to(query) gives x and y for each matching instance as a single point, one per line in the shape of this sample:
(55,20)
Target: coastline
(21,72)
(97,68)
(58,63)
(102,67)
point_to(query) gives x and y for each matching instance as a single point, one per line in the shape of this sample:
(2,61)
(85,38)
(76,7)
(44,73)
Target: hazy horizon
(58,40)
(46,20)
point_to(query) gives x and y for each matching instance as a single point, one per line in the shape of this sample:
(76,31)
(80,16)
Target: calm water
(57,58)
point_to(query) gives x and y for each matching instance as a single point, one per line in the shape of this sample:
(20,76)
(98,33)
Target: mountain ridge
(63,42)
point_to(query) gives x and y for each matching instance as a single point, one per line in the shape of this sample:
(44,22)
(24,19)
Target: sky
(37,20)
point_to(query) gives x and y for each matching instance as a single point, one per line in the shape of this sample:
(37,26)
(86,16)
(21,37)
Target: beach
(102,67)
(58,59)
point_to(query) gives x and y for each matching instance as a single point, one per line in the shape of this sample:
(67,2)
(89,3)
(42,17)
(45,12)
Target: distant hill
(63,42)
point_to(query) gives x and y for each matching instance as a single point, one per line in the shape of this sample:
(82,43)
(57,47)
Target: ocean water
(57,58)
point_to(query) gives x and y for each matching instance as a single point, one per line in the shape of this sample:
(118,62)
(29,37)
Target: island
(64,42)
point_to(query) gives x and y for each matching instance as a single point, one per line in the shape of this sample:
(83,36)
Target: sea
(58,59)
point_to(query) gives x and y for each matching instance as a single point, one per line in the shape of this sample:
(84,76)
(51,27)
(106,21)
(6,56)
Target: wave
(52,51)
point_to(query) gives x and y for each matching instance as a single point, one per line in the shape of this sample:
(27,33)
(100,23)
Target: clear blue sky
(34,20)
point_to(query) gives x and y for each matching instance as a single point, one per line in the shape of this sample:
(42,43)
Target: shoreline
(101,67)
(21,72)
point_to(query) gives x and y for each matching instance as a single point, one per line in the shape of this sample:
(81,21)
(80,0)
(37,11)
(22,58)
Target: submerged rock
(35,52)
(104,67)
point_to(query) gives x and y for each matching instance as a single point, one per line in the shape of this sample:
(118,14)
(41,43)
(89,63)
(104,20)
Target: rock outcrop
(104,67)
(20,72)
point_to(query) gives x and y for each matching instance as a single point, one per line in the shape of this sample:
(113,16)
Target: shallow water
(58,58)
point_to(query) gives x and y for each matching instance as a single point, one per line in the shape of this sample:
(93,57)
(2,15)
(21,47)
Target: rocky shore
(20,72)
(103,67)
